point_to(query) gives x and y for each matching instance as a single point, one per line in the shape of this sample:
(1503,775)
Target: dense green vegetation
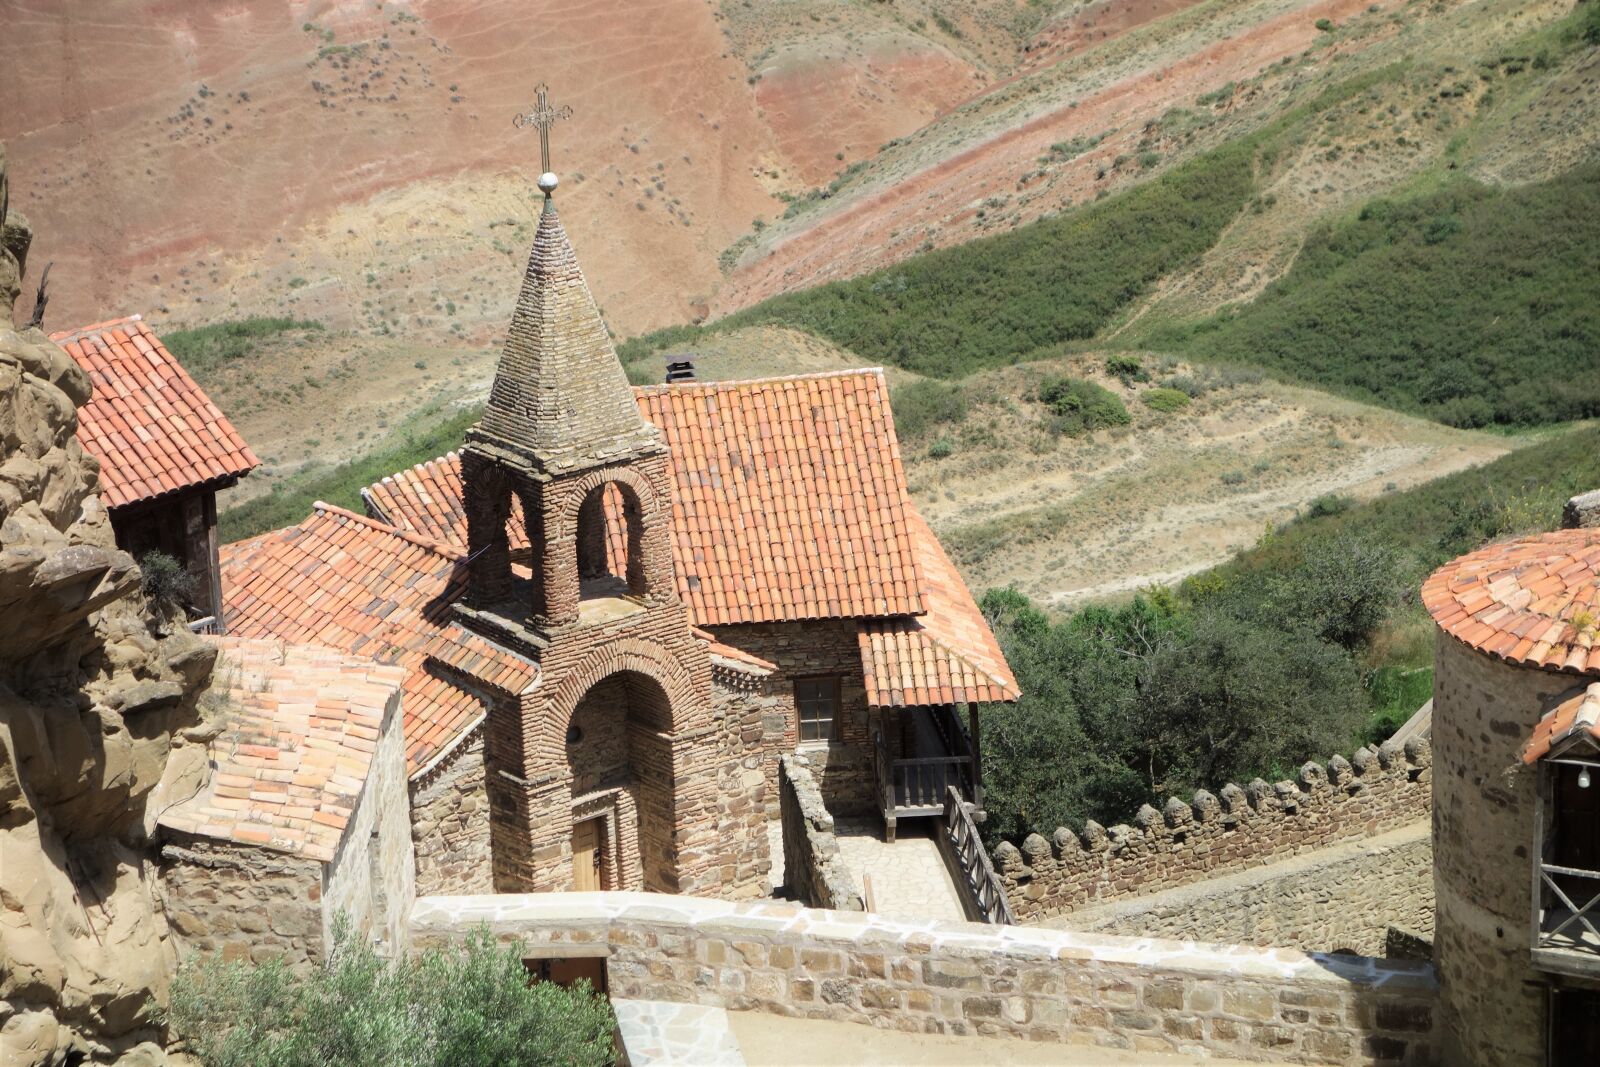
(987,303)
(291,500)
(467,1006)
(1470,305)
(1308,644)
(205,348)
(993,301)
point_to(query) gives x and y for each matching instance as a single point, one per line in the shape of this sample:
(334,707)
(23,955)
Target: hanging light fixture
(1583,778)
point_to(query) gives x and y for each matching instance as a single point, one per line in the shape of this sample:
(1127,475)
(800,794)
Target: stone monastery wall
(1340,899)
(814,871)
(1269,1005)
(450,824)
(1236,829)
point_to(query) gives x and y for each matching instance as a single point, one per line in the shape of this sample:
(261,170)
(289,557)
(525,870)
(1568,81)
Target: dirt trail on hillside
(1069,520)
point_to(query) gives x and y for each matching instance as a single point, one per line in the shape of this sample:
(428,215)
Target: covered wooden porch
(920,753)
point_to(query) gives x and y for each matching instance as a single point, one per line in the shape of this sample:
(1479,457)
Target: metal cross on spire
(543,116)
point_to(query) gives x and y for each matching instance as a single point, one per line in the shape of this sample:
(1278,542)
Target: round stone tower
(1517,649)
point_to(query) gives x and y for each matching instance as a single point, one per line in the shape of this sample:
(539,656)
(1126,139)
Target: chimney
(1582,511)
(680,367)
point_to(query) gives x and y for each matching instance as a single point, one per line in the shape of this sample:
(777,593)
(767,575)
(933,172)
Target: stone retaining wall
(814,871)
(1348,898)
(1271,1005)
(1238,828)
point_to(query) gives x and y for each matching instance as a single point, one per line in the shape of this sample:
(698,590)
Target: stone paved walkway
(909,877)
(661,1034)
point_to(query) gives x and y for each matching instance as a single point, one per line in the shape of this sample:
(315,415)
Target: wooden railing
(986,895)
(923,782)
(883,766)
(1553,931)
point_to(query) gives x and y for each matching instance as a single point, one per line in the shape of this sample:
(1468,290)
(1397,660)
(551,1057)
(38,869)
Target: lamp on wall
(1583,778)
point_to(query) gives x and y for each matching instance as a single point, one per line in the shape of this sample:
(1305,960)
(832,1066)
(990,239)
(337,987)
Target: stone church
(617,607)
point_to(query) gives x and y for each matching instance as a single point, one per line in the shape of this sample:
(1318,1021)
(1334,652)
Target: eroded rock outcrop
(98,729)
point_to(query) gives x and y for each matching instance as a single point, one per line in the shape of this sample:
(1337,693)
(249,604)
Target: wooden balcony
(920,755)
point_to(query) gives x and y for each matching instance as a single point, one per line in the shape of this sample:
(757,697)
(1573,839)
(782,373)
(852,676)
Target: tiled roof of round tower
(1534,602)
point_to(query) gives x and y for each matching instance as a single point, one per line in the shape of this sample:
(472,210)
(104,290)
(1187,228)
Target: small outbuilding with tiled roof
(165,450)
(300,815)
(1516,773)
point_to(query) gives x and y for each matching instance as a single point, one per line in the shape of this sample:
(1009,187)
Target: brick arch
(628,654)
(643,491)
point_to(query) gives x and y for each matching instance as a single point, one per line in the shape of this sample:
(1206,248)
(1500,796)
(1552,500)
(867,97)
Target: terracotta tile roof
(301,729)
(349,582)
(1533,602)
(948,656)
(152,428)
(1580,715)
(789,503)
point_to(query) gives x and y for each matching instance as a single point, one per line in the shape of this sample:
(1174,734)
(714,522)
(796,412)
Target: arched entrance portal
(619,753)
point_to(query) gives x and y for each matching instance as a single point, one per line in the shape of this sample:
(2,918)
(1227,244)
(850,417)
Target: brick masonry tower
(588,770)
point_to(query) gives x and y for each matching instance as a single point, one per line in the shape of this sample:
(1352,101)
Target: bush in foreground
(466,1006)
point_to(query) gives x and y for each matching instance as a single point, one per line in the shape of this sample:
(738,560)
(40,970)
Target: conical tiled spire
(559,395)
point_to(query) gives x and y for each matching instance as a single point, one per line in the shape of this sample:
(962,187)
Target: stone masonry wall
(246,903)
(1492,998)
(800,649)
(1582,511)
(815,873)
(1142,995)
(1239,828)
(372,878)
(1340,899)
(450,825)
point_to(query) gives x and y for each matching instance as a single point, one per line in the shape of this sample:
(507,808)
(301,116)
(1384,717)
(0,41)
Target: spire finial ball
(548,182)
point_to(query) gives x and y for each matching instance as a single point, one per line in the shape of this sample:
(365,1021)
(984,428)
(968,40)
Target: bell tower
(563,447)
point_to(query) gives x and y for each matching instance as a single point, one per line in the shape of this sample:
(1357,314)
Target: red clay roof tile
(350,582)
(948,656)
(152,428)
(1528,601)
(284,702)
(789,502)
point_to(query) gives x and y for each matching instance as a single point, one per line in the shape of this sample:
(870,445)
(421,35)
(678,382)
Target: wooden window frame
(835,725)
(1578,962)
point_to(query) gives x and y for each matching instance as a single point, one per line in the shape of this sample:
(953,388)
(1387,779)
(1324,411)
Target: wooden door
(589,856)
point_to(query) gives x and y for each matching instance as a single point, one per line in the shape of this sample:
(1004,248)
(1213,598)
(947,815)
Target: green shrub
(1328,504)
(942,448)
(1166,400)
(1127,368)
(1128,705)
(165,580)
(1325,25)
(1080,406)
(465,1006)
(1489,312)
(205,348)
(924,405)
(1186,384)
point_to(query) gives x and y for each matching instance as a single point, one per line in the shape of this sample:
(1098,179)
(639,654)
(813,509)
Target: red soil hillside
(347,160)
(982,168)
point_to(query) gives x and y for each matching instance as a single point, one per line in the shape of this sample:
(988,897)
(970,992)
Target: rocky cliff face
(98,729)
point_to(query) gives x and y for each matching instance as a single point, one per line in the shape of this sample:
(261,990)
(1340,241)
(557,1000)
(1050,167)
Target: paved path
(778,1041)
(909,878)
(660,1034)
